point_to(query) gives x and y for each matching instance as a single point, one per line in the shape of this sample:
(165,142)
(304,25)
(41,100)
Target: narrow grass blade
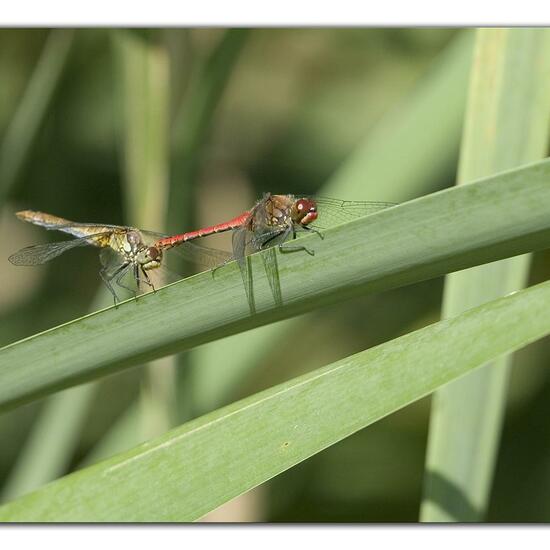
(178,477)
(30,113)
(437,234)
(425,129)
(506,125)
(144,95)
(144,98)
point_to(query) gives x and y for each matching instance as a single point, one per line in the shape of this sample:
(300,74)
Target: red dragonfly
(274,219)
(124,250)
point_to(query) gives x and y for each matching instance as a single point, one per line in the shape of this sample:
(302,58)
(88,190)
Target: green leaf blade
(443,232)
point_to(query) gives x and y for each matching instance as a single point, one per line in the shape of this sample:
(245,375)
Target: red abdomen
(234,223)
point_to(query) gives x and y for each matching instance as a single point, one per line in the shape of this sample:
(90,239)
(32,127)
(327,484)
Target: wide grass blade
(440,233)
(195,468)
(507,123)
(30,112)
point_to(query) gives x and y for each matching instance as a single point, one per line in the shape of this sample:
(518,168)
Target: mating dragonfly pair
(127,250)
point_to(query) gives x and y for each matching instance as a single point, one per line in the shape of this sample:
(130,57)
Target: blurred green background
(174,128)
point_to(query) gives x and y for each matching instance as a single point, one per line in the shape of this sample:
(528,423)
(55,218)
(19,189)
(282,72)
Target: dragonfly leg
(216,267)
(107,278)
(147,279)
(291,248)
(136,276)
(263,245)
(284,247)
(316,231)
(118,274)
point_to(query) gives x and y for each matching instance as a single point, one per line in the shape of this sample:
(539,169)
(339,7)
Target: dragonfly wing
(203,255)
(110,259)
(240,243)
(335,212)
(89,229)
(244,243)
(42,253)
(269,258)
(191,252)
(55,223)
(150,237)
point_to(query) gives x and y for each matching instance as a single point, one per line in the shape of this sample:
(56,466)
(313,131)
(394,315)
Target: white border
(265,537)
(25,13)
(280,13)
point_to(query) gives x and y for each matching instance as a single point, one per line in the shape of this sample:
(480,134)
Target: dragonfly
(273,221)
(124,250)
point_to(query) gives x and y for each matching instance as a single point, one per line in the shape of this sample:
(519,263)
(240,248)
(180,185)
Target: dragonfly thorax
(273,212)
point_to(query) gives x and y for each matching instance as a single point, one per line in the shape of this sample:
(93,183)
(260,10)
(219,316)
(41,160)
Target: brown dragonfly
(124,249)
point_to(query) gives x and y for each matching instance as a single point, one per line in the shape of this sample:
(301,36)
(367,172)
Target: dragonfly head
(133,240)
(150,257)
(304,211)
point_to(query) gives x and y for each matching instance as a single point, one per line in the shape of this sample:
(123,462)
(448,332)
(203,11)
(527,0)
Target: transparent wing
(192,252)
(244,243)
(42,253)
(203,255)
(55,223)
(101,227)
(86,229)
(335,212)
(110,259)
(240,243)
(269,259)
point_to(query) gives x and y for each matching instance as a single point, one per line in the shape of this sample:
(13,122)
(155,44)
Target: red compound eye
(153,253)
(307,211)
